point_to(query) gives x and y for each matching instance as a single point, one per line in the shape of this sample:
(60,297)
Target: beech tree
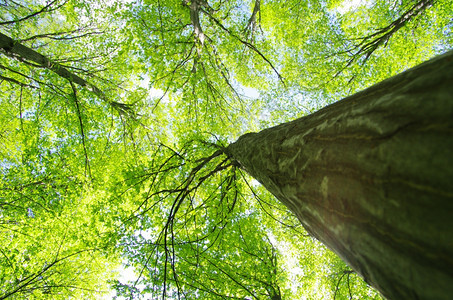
(370,177)
(127,169)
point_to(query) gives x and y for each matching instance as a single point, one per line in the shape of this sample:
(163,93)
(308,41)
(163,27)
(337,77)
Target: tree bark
(371,177)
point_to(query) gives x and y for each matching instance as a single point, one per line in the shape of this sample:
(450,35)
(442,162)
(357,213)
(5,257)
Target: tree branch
(28,55)
(12,80)
(24,53)
(370,43)
(247,44)
(82,133)
(45,9)
(251,24)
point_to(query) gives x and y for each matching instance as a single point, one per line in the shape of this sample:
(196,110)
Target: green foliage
(136,176)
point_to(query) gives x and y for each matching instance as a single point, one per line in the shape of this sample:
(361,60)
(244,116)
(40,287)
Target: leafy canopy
(114,120)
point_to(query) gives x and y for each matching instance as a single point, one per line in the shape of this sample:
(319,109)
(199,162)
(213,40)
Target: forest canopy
(114,119)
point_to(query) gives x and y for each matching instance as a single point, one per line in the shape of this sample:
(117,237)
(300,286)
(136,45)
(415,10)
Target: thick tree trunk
(371,176)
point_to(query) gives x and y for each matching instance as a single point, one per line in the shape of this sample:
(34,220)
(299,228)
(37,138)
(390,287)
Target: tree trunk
(23,53)
(371,177)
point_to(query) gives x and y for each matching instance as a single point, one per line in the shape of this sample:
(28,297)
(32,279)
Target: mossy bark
(371,177)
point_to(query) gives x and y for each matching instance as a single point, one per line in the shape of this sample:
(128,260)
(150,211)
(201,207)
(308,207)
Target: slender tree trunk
(23,53)
(371,177)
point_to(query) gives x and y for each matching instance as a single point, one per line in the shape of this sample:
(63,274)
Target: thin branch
(261,201)
(215,265)
(57,35)
(45,9)
(29,279)
(20,109)
(12,80)
(370,43)
(345,272)
(28,55)
(9,263)
(247,44)
(79,114)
